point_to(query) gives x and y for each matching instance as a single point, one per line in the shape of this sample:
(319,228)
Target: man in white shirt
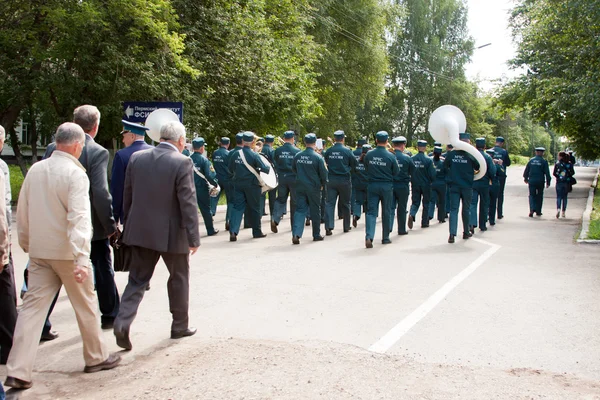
(8,294)
(55,199)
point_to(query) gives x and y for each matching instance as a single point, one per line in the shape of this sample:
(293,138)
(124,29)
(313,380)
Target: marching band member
(202,180)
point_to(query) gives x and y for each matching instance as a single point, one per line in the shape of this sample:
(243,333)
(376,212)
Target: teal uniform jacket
(310,170)
(241,175)
(536,170)
(500,169)
(340,161)
(381,166)
(503,155)
(500,172)
(359,177)
(424,173)
(460,166)
(283,159)
(219,160)
(484,182)
(406,167)
(440,171)
(357,153)
(202,165)
(267,151)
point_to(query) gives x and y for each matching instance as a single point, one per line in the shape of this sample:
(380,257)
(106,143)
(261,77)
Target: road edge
(587,214)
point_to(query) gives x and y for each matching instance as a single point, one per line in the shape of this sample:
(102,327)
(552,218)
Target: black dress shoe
(492,223)
(467,235)
(451,239)
(472,230)
(307,223)
(274,227)
(108,324)
(402,233)
(262,235)
(539,214)
(295,240)
(123,340)
(347,230)
(354,221)
(16,383)
(386,241)
(112,361)
(410,222)
(500,216)
(369,244)
(424,225)
(48,336)
(483,229)
(442,221)
(148,287)
(232,237)
(226,226)
(531,214)
(328,232)
(318,239)
(184,333)
(214,233)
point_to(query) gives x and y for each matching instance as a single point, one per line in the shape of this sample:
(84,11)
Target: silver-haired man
(160,220)
(54,226)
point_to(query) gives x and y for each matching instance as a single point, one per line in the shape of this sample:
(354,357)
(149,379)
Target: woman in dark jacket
(563,172)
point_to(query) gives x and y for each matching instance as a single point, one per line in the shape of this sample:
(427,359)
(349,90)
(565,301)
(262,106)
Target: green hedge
(16,181)
(594,231)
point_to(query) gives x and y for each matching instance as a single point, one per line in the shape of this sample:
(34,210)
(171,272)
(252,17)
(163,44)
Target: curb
(587,214)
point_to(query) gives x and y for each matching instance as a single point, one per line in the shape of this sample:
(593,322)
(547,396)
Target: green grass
(518,160)
(16,181)
(594,232)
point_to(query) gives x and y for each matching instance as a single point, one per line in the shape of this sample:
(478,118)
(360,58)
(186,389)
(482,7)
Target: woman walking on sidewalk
(563,171)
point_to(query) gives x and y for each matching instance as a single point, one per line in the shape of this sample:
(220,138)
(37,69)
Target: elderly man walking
(54,226)
(161,220)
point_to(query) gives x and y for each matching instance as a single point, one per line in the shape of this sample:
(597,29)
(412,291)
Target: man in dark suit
(161,220)
(133,139)
(94,159)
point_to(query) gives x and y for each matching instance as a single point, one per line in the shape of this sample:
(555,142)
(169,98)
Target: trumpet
(390,148)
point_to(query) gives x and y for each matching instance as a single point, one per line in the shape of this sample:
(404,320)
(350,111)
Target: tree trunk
(33,133)
(8,118)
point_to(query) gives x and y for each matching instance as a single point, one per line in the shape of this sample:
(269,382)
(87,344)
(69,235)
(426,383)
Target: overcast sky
(488,23)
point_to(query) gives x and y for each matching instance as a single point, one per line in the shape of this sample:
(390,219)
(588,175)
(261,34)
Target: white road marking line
(396,333)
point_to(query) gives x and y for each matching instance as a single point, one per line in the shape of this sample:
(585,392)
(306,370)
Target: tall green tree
(60,54)
(558,47)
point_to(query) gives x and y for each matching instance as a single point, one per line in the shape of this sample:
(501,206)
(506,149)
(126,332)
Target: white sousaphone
(156,119)
(268,180)
(445,124)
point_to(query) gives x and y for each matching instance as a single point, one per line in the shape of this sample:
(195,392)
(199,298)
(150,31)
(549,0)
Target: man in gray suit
(94,159)
(160,220)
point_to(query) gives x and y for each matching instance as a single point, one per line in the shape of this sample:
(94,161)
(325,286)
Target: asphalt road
(511,314)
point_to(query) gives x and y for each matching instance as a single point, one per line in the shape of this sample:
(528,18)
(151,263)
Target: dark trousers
(438,196)
(8,309)
(481,195)
(562,192)
(203,199)
(421,192)
(378,193)
(104,277)
(536,197)
(400,205)
(359,203)
(460,195)
(501,196)
(246,200)
(494,192)
(308,203)
(271,196)
(141,269)
(286,187)
(341,188)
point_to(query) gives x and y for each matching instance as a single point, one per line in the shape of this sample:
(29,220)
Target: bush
(594,231)
(16,181)
(518,160)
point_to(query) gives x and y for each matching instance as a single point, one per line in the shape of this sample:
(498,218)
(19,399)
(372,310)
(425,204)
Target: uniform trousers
(246,200)
(378,192)
(400,205)
(421,192)
(271,196)
(8,309)
(45,279)
(481,198)
(494,192)
(308,203)
(438,197)
(460,195)
(360,200)
(203,199)
(502,180)
(286,187)
(104,277)
(342,188)
(141,269)
(536,197)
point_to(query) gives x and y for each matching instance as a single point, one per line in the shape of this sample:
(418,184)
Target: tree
(60,54)
(558,46)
